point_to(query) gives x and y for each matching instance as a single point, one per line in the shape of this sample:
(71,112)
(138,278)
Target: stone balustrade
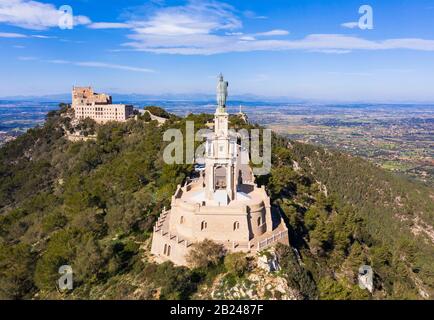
(274,238)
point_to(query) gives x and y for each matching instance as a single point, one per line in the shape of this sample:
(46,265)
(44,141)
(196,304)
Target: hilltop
(92,205)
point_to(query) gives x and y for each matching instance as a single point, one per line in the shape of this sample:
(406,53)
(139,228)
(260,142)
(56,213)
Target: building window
(166,250)
(181,221)
(259,221)
(203,225)
(236,225)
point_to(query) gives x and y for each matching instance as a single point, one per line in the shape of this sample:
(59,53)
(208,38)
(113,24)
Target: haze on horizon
(314,50)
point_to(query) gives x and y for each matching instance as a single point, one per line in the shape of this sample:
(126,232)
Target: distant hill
(92,205)
(45,98)
(134,97)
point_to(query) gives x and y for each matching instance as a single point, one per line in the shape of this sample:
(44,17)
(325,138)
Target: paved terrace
(189,194)
(254,245)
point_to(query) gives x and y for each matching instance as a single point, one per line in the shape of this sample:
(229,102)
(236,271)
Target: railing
(173,237)
(266,242)
(240,245)
(245,245)
(158,228)
(160,221)
(178,192)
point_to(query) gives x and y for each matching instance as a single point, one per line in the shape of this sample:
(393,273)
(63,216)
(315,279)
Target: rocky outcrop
(268,261)
(264,281)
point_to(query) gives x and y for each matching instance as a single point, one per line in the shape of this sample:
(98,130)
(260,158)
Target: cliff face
(92,205)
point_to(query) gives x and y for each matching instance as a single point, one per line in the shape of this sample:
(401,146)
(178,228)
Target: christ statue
(222,92)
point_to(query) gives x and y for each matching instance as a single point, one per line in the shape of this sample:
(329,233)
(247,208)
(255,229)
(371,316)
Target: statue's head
(220,77)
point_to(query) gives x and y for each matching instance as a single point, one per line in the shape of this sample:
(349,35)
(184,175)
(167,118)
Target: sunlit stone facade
(223,204)
(98,106)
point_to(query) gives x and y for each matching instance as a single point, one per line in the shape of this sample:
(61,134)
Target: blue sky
(302,49)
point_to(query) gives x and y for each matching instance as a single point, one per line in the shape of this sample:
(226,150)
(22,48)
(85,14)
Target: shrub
(147,117)
(16,270)
(157,111)
(122,255)
(175,282)
(54,220)
(331,289)
(205,254)
(60,251)
(89,261)
(297,276)
(236,263)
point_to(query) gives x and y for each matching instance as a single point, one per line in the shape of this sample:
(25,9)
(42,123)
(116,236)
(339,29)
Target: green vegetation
(367,218)
(146,117)
(68,202)
(16,269)
(297,276)
(93,204)
(159,112)
(205,254)
(175,282)
(237,263)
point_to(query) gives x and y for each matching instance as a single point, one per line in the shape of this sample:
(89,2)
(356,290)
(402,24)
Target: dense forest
(92,205)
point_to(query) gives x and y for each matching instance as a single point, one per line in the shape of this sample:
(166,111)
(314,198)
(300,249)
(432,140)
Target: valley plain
(398,138)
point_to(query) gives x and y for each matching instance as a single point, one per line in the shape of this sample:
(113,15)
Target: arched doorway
(220,177)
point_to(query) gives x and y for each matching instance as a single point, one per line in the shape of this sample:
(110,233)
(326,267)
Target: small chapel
(223,204)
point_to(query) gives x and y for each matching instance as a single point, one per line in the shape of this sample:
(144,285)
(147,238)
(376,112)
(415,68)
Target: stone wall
(167,247)
(104,113)
(86,96)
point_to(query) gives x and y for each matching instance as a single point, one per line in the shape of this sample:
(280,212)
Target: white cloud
(109,25)
(234,33)
(252,15)
(350,25)
(27,58)
(58,61)
(194,18)
(21,35)
(196,29)
(91,64)
(247,38)
(277,32)
(331,51)
(111,66)
(33,15)
(351,74)
(12,35)
(182,25)
(214,44)
(40,36)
